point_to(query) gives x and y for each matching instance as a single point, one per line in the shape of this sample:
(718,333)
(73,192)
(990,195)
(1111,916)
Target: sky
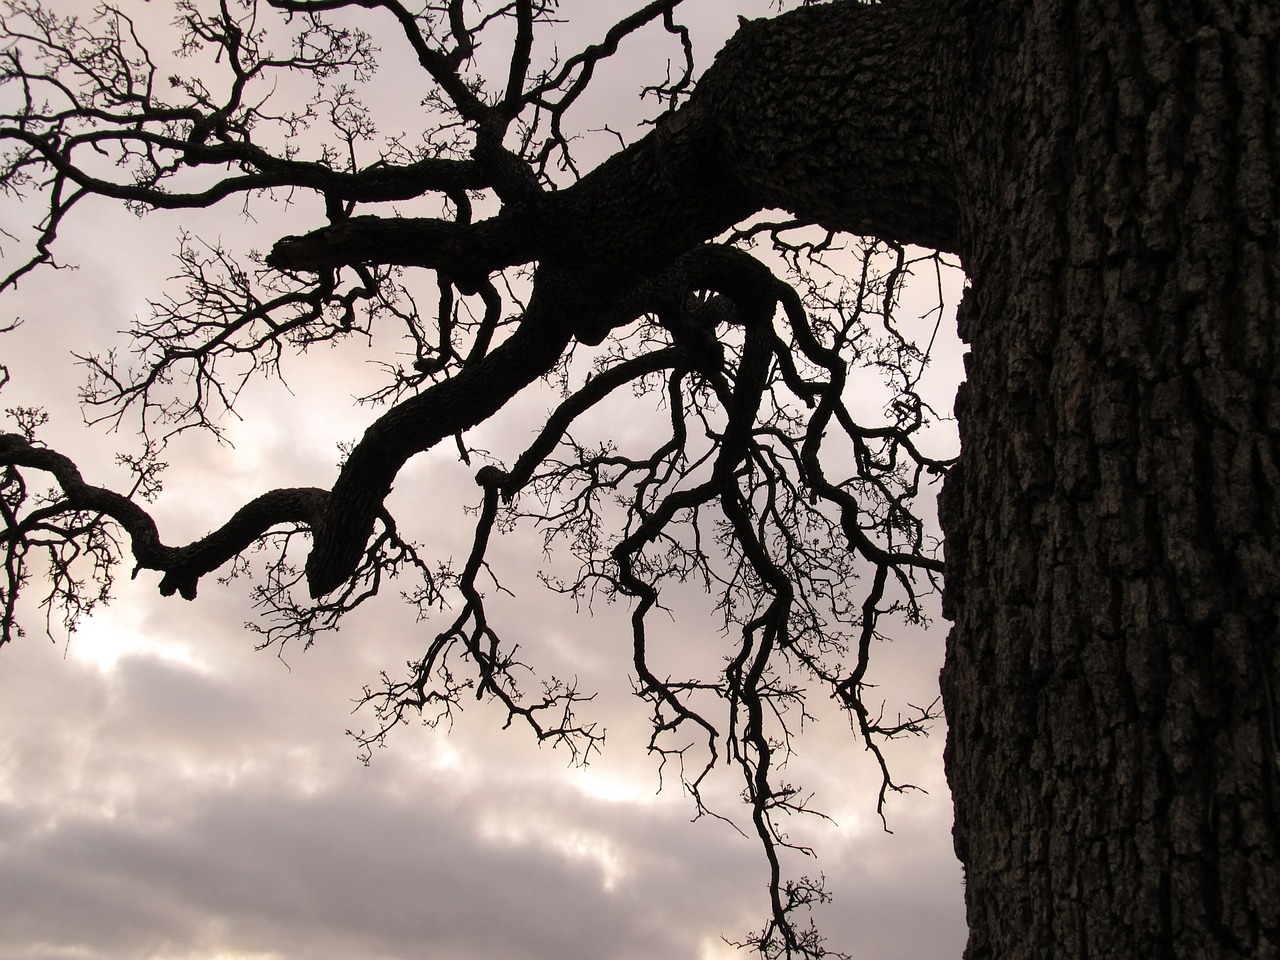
(168,792)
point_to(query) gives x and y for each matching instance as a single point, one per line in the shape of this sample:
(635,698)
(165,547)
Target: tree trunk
(1112,678)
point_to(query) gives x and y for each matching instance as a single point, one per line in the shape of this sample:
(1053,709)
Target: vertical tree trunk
(1113,679)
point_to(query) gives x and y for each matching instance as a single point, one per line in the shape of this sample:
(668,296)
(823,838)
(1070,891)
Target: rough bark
(1113,569)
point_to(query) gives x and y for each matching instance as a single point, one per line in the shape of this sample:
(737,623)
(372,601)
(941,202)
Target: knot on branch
(181,582)
(494,478)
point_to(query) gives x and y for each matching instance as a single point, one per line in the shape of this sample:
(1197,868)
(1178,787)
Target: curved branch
(443,410)
(182,566)
(594,391)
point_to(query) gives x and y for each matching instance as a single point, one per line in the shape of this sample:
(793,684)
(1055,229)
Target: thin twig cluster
(475,245)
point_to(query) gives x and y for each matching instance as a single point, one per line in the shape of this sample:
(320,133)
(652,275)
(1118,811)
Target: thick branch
(833,112)
(853,145)
(419,423)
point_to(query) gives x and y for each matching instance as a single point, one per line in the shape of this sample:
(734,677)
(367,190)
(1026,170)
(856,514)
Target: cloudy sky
(168,792)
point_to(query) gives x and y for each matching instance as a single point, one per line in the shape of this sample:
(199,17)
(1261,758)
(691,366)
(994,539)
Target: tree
(1105,173)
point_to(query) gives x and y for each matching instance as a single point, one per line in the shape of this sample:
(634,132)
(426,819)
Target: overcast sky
(167,792)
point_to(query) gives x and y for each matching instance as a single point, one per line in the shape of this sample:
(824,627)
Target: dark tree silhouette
(1106,173)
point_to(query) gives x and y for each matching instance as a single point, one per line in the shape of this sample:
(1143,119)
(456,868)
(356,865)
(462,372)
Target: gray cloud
(160,808)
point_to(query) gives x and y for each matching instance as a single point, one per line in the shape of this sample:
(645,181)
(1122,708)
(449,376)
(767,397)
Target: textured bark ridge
(831,112)
(1113,569)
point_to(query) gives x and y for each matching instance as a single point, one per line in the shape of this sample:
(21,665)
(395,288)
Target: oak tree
(1106,173)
